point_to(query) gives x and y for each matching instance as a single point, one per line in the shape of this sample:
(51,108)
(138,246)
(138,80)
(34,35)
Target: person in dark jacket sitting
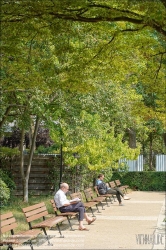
(104,189)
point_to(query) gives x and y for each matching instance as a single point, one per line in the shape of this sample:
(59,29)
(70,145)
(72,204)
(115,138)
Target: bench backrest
(89,194)
(112,184)
(8,222)
(35,212)
(54,206)
(96,190)
(76,195)
(117,182)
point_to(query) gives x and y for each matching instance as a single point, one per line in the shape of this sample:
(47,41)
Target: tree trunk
(30,137)
(22,158)
(132,137)
(26,180)
(150,152)
(31,132)
(25,189)
(164,138)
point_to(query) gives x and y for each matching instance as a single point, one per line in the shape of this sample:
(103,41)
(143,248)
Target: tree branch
(5,115)
(79,18)
(76,14)
(160,53)
(157,72)
(100,50)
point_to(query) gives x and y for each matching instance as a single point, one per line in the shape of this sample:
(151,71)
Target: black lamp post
(61,165)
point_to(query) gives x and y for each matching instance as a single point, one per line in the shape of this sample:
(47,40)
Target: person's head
(64,187)
(101,176)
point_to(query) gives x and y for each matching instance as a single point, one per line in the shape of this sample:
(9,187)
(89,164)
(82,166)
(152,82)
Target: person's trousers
(116,191)
(77,207)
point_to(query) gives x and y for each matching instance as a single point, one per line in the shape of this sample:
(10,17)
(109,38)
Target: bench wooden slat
(30,233)
(49,222)
(91,198)
(8,221)
(88,195)
(118,183)
(87,205)
(8,227)
(79,195)
(61,214)
(6,216)
(97,198)
(9,241)
(36,211)
(68,215)
(39,211)
(102,195)
(26,209)
(22,237)
(112,184)
(36,216)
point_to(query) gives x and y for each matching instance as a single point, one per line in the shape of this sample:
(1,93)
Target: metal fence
(134,165)
(138,165)
(160,162)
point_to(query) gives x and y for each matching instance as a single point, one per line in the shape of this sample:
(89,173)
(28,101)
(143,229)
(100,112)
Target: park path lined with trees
(92,72)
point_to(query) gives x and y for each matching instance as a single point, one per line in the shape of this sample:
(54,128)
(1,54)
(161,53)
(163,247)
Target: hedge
(4,193)
(143,181)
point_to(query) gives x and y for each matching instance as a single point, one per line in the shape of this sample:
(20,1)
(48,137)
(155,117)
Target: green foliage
(97,145)
(5,176)
(143,181)
(54,149)
(4,193)
(8,152)
(53,175)
(112,66)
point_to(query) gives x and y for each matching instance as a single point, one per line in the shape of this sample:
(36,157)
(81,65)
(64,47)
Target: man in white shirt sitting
(65,205)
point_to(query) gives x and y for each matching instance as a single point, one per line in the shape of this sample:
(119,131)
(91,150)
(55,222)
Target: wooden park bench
(38,212)
(8,224)
(68,215)
(107,196)
(89,195)
(87,205)
(123,187)
(113,185)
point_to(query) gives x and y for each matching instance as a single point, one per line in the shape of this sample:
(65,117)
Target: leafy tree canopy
(107,56)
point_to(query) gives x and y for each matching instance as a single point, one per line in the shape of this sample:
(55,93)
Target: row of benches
(39,211)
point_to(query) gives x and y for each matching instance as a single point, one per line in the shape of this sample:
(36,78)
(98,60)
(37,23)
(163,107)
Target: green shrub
(143,181)
(4,193)
(5,176)
(8,152)
(54,149)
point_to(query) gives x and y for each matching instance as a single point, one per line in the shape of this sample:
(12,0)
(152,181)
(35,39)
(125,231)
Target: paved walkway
(136,225)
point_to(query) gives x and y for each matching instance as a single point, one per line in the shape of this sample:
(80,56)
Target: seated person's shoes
(90,222)
(83,229)
(126,198)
